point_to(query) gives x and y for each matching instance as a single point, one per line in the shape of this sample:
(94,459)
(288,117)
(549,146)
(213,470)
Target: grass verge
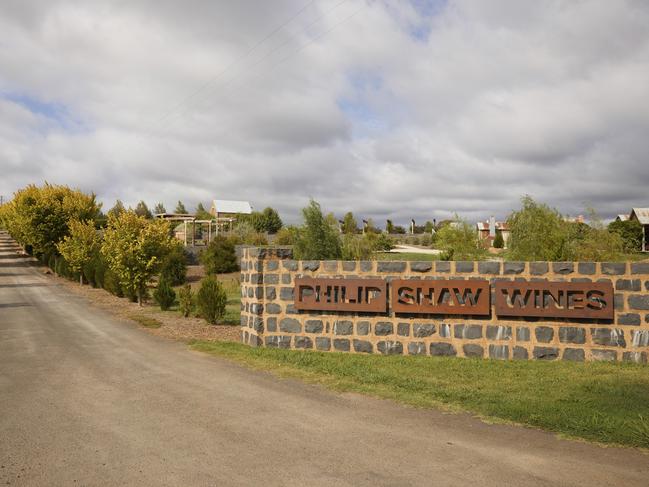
(603,402)
(405,256)
(146,321)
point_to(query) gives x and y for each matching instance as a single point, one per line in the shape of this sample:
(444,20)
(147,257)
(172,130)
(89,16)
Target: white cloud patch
(391,109)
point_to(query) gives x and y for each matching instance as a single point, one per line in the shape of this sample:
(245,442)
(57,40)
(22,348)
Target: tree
(272,223)
(389,226)
(180,208)
(459,241)
(318,239)
(202,213)
(630,232)
(286,236)
(164,294)
(537,232)
(211,299)
(185,300)
(143,210)
(174,265)
(118,209)
(80,247)
(499,241)
(134,248)
(38,218)
(220,256)
(429,227)
(159,208)
(350,225)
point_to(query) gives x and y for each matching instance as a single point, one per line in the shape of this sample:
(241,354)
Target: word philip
(341,294)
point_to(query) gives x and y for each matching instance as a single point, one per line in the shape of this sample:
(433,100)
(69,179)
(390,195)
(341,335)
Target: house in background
(487,231)
(226,212)
(642,216)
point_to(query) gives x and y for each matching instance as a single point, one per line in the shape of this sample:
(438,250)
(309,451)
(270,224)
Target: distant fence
(511,310)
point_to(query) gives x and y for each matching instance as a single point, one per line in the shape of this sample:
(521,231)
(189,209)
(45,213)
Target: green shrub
(459,242)
(499,242)
(186,300)
(318,239)
(220,256)
(164,294)
(630,232)
(286,236)
(111,283)
(211,300)
(51,262)
(100,272)
(174,266)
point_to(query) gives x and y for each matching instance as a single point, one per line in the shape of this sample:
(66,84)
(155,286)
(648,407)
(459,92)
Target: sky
(388,108)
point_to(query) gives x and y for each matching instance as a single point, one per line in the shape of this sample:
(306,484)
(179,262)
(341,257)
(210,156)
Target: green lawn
(603,402)
(405,256)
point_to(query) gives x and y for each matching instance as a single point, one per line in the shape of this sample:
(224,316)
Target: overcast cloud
(391,109)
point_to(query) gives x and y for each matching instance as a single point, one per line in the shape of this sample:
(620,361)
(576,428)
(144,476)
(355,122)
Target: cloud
(387,108)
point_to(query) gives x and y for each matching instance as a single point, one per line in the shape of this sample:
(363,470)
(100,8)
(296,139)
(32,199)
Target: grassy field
(405,256)
(602,402)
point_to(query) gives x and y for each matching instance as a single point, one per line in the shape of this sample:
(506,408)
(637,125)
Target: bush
(211,300)
(100,273)
(318,239)
(111,283)
(459,242)
(174,266)
(499,242)
(185,300)
(286,236)
(220,256)
(164,294)
(630,232)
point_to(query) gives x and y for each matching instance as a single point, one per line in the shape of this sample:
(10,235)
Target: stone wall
(269,318)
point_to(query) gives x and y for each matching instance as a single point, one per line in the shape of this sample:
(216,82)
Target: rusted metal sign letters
(341,294)
(452,297)
(592,300)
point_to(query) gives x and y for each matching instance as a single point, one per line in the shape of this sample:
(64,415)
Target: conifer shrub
(186,300)
(174,266)
(220,256)
(211,300)
(164,294)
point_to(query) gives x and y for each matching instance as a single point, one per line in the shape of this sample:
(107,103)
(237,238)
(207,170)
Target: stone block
(545,353)
(639,301)
(343,327)
(572,334)
(278,341)
(330,266)
(310,265)
(390,348)
(513,267)
(636,357)
(290,325)
(640,268)
(383,328)
(604,355)
(500,352)
(286,279)
(489,267)
(563,267)
(271,324)
(522,334)
(468,332)
(257,309)
(520,353)
(403,329)
(442,349)
(416,348)
(341,344)
(587,268)
(628,285)
(608,337)
(472,350)
(499,332)
(258,324)
(544,334)
(613,268)
(464,266)
(323,343)
(363,346)
(628,319)
(366,265)
(390,266)
(271,279)
(442,266)
(303,342)
(273,309)
(618,302)
(271,293)
(313,326)
(573,354)
(287,294)
(256,278)
(538,268)
(421,266)
(349,266)
(272,265)
(363,328)
(421,330)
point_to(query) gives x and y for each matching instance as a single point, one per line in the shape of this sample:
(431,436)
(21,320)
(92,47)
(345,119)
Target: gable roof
(230,206)
(642,214)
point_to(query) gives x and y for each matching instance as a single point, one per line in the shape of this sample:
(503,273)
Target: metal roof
(642,214)
(228,206)
(622,217)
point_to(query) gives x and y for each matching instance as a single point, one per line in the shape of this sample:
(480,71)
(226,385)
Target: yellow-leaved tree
(134,248)
(80,246)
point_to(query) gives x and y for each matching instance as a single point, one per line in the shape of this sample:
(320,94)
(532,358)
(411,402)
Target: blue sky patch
(57,113)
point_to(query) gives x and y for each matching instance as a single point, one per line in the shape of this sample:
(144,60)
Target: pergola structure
(191,223)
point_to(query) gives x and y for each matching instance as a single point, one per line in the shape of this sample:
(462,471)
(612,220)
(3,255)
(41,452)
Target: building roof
(642,214)
(621,217)
(484,226)
(229,206)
